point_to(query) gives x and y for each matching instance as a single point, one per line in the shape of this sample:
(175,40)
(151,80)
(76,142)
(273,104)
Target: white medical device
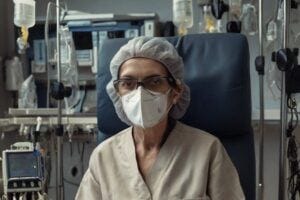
(23,171)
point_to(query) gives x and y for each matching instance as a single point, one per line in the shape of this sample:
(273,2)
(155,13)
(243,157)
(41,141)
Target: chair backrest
(217,72)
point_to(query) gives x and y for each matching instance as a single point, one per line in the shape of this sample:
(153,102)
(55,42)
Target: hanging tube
(59,163)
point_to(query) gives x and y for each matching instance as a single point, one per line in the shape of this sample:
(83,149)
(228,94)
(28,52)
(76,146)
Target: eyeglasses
(154,83)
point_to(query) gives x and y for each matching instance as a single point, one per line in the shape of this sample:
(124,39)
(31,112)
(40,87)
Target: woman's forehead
(136,66)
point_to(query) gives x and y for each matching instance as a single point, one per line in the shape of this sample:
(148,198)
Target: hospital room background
(21,69)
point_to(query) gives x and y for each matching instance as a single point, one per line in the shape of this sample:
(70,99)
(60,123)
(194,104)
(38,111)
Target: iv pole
(59,130)
(260,68)
(283,109)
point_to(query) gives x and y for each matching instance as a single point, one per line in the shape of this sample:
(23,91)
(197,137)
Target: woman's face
(145,68)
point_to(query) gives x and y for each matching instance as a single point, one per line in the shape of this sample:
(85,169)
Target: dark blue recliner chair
(217,71)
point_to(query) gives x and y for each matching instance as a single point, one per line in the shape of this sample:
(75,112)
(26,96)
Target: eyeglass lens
(155,84)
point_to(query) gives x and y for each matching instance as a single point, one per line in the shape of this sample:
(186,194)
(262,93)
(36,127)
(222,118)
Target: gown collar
(160,165)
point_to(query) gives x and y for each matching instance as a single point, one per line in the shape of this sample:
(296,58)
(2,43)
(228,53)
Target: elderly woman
(157,157)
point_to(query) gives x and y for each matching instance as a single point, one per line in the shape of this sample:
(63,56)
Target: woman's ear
(177,92)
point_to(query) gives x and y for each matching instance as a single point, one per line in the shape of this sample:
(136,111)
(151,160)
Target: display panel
(22,164)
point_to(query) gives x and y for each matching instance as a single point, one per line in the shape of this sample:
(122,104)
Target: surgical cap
(157,49)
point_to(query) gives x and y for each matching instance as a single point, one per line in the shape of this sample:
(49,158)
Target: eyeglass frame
(171,81)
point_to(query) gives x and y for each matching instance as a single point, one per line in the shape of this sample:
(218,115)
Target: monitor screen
(83,40)
(22,164)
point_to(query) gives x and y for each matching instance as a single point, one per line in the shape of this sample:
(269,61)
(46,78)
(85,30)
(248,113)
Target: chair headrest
(217,72)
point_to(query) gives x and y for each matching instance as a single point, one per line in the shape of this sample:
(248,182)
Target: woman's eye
(156,81)
(126,83)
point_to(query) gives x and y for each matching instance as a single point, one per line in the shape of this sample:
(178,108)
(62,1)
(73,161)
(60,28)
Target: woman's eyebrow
(146,77)
(155,75)
(127,77)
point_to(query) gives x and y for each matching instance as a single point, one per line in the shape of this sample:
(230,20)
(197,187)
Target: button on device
(31,184)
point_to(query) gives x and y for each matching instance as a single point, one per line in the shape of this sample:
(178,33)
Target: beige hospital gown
(191,164)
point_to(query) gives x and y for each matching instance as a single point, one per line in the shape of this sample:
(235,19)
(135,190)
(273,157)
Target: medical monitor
(23,171)
(22,164)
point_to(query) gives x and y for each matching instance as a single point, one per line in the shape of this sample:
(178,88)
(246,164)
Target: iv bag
(27,94)
(280,12)
(209,24)
(235,9)
(273,77)
(203,2)
(297,40)
(24,17)
(183,15)
(249,19)
(69,72)
(24,13)
(271,31)
(13,74)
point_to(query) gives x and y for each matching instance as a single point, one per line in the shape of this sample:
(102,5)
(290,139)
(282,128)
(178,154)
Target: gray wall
(3,23)
(5,51)
(5,97)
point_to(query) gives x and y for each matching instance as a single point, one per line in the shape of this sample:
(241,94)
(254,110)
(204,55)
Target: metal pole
(260,187)
(283,110)
(260,24)
(261,141)
(59,168)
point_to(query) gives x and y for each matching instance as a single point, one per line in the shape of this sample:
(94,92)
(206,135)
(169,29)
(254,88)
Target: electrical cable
(46,32)
(81,102)
(81,158)
(292,150)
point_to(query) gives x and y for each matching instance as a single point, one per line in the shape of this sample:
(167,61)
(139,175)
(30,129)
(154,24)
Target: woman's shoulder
(198,137)
(114,141)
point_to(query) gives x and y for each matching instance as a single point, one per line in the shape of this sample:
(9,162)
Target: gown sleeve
(224,180)
(89,187)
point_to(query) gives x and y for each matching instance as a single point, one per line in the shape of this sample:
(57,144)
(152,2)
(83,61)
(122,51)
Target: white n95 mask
(145,108)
